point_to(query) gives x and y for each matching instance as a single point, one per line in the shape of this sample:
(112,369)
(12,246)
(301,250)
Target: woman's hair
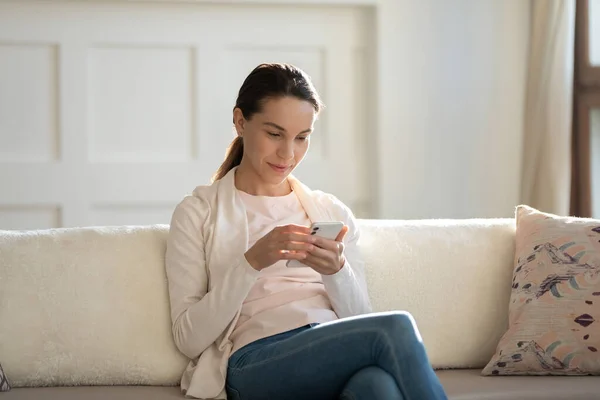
(265,82)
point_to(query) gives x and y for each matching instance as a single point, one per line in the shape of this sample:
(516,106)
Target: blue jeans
(376,356)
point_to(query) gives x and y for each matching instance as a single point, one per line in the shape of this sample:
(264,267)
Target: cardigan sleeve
(347,289)
(199,315)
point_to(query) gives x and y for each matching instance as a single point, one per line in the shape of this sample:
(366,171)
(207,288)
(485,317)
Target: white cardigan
(209,277)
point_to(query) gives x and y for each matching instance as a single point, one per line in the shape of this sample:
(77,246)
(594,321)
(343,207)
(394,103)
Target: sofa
(84,312)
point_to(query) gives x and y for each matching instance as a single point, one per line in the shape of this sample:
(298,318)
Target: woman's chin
(274,179)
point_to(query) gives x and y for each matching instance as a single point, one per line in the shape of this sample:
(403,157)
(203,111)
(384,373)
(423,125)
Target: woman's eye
(273,134)
(302,138)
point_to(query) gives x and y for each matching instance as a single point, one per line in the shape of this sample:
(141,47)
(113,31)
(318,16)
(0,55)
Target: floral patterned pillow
(4,385)
(554,310)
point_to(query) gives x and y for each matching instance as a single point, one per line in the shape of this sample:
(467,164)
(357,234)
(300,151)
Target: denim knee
(373,376)
(401,327)
(371,383)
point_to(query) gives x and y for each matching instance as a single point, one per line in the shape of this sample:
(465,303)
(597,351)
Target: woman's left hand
(327,256)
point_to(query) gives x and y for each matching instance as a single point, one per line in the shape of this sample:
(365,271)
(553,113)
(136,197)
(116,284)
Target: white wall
(595,161)
(594,10)
(451,82)
(594,33)
(445,141)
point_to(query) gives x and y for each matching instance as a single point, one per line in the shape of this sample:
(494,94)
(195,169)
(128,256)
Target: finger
(342,234)
(327,244)
(296,237)
(310,264)
(321,254)
(291,255)
(291,228)
(295,246)
(315,262)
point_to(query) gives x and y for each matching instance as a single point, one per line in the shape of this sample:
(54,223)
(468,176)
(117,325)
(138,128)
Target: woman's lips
(279,168)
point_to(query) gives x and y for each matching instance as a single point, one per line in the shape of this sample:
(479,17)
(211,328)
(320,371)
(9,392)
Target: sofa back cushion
(89,306)
(86,306)
(453,276)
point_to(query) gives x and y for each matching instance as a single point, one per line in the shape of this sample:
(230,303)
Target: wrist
(337,270)
(342,263)
(253,263)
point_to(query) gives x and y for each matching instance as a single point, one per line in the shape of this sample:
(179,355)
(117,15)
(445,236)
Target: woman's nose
(286,150)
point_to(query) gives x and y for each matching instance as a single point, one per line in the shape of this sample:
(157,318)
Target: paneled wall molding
(115,126)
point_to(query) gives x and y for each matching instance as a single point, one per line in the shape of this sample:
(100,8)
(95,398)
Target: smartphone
(327,230)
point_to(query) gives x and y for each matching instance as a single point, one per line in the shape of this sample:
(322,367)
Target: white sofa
(88,307)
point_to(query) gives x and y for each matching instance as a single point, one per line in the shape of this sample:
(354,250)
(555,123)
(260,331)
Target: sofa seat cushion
(96,393)
(468,384)
(462,384)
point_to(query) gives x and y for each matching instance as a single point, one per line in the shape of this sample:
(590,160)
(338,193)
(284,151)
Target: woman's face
(276,139)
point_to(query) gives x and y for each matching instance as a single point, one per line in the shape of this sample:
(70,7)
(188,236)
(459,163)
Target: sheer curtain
(546,176)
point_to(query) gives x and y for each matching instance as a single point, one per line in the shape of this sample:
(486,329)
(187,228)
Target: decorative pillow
(4,385)
(554,310)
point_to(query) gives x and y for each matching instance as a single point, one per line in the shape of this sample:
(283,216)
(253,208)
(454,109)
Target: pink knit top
(282,298)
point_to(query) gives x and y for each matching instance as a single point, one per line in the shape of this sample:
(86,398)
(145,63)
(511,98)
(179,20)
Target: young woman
(253,327)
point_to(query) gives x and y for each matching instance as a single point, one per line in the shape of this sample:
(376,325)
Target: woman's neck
(246,180)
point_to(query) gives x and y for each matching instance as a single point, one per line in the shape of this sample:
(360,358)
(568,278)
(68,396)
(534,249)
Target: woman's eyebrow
(282,128)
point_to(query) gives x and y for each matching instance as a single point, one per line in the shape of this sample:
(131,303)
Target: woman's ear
(239,121)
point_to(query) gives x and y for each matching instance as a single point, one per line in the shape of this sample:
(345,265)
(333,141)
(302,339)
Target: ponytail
(233,158)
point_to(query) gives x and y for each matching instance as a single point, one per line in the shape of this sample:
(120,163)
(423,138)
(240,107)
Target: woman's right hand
(287,242)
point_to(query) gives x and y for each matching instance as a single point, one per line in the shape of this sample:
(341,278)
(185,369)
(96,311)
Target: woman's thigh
(313,364)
